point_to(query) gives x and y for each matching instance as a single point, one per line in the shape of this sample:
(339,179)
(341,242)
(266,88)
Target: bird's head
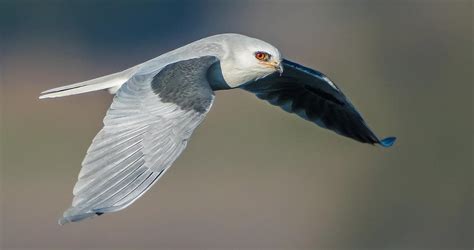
(247,59)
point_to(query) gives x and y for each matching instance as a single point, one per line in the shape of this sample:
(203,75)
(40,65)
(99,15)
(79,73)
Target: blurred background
(252,176)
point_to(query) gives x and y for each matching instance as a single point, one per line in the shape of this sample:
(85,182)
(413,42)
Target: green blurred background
(252,176)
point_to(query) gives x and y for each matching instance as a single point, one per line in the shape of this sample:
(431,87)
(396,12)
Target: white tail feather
(111,82)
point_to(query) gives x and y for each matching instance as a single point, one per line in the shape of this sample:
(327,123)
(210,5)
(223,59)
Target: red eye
(262,56)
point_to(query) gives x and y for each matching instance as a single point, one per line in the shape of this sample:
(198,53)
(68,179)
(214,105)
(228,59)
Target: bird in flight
(158,104)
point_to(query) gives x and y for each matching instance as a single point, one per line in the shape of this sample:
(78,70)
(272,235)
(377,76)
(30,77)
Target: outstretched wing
(312,96)
(146,128)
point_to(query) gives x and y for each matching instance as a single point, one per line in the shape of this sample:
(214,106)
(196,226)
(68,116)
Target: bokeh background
(252,176)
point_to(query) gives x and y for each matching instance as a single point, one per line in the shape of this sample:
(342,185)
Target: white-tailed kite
(159,103)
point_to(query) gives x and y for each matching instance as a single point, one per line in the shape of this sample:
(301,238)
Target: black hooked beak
(280,68)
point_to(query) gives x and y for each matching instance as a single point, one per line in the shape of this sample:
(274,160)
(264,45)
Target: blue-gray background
(252,175)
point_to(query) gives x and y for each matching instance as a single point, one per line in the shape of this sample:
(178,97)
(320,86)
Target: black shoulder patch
(215,77)
(185,84)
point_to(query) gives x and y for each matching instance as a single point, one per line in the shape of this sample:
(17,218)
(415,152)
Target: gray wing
(146,128)
(312,96)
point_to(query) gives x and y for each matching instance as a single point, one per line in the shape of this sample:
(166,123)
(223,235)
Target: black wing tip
(388,142)
(78,217)
(74,218)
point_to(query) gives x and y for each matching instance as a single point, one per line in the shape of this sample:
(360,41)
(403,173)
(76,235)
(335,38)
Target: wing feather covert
(312,96)
(146,128)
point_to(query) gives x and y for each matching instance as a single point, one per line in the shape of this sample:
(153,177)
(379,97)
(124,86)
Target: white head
(247,59)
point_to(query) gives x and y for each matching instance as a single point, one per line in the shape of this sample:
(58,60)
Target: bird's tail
(111,82)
